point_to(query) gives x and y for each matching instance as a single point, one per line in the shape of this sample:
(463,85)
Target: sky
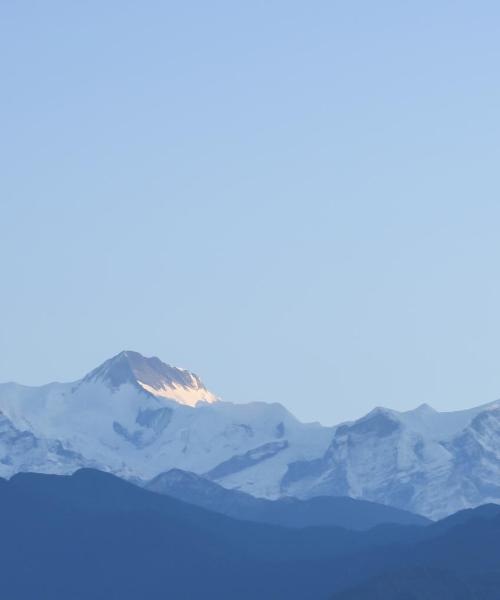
(299,201)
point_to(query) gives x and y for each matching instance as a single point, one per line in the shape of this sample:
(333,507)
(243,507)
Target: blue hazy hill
(92,535)
(288,512)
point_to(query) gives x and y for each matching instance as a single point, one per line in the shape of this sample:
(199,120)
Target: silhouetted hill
(426,584)
(456,559)
(289,512)
(94,536)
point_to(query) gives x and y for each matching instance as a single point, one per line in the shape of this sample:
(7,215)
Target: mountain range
(287,512)
(93,535)
(138,418)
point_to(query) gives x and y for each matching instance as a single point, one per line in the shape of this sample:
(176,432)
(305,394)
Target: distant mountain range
(92,535)
(287,512)
(137,417)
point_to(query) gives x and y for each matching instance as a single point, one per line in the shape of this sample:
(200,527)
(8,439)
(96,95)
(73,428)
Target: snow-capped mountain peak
(429,462)
(138,417)
(152,375)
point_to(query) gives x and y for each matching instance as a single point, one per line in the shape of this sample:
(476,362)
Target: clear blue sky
(297,200)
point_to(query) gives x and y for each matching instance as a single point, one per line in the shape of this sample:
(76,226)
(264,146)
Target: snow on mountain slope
(20,450)
(424,461)
(154,376)
(137,417)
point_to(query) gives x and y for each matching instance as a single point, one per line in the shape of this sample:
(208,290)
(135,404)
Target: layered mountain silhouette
(456,559)
(288,512)
(92,535)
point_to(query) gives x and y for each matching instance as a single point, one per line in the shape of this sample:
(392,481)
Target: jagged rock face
(423,461)
(152,375)
(476,459)
(22,451)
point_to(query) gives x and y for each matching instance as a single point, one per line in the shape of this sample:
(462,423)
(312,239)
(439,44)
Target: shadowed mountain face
(289,512)
(92,535)
(152,375)
(457,559)
(424,461)
(424,583)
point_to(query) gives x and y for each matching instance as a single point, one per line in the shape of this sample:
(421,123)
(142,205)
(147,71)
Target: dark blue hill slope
(288,512)
(94,536)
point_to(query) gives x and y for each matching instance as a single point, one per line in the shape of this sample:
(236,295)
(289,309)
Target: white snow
(422,460)
(200,434)
(187,396)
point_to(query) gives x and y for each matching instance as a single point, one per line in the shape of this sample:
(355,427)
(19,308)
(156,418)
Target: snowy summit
(153,376)
(138,417)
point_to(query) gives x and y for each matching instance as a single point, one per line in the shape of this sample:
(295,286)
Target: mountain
(138,417)
(288,512)
(93,535)
(153,376)
(454,559)
(425,584)
(424,461)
